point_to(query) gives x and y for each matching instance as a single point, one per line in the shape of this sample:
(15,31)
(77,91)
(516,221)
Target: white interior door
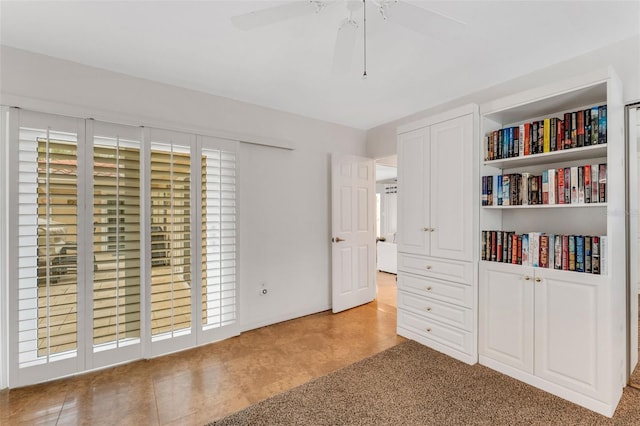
(353,231)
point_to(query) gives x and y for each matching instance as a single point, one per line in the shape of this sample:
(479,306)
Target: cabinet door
(451,183)
(571,329)
(506,314)
(413,192)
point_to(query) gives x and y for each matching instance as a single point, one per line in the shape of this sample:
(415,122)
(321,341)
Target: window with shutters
(116,242)
(47,233)
(218,238)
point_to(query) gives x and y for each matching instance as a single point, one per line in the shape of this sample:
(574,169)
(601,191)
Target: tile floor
(202,384)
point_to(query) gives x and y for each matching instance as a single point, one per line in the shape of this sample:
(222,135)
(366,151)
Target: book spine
(580,129)
(552,251)
(545,187)
(574,185)
(587,254)
(489,190)
(500,144)
(595,255)
(494,144)
(494,246)
(494,191)
(546,135)
(587,127)
(558,252)
(587,184)
(580,185)
(567,185)
(565,252)
(602,124)
(519,250)
(506,190)
(521,140)
(527,138)
(525,250)
(499,247)
(572,253)
(567,131)
(602,180)
(594,126)
(534,248)
(510,138)
(541,136)
(534,137)
(544,251)
(560,134)
(524,188)
(553,198)
(505,246)
(499,191)
(579,253)
(595,184)
(483,255)
(560,188)
(574,130)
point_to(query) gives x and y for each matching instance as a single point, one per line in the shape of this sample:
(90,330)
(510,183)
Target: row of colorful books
(576,129)
(577,253)
(566,185)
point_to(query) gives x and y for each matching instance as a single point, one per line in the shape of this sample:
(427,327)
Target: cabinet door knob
(429,288)
(431,229)
(428,308)
(527,277)
(425,229)
(538,279)
(428,266)
(429,329)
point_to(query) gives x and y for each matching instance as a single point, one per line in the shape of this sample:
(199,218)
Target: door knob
(527,278)
(425,229)
(337,240)
(538,279)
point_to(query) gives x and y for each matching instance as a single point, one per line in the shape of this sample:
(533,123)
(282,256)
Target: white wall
(284,195)
(624,56)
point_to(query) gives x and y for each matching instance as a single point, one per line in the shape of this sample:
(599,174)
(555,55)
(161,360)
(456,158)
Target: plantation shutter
(218,238)
(117,272)
(46,257)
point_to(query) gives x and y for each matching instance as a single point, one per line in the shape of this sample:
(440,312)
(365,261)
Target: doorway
(386,228)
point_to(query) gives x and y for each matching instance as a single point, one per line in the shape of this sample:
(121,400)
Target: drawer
(454,338)
(452,270)
(454,293)
(455,316)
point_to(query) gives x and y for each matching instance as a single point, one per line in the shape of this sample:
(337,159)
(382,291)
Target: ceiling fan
(422,20)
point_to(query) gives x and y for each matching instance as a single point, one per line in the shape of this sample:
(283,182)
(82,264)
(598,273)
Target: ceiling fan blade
(345,44)
(271,15)
(424,21)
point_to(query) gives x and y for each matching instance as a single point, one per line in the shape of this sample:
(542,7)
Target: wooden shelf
(593,151)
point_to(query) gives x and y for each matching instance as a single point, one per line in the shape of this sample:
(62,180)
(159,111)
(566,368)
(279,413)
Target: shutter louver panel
(116,242)
(170,240)
(218,238)
(47,238)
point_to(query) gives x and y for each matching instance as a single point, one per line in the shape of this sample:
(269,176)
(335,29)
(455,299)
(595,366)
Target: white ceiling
(288,65)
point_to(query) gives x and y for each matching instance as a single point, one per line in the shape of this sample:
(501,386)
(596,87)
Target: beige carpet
(410,384)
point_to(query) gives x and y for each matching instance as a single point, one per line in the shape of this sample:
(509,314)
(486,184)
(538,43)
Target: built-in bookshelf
(555,323)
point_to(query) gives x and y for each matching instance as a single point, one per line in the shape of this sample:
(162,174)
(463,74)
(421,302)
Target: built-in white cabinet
(560,330)
(435,175)
(545,323)
(437,220)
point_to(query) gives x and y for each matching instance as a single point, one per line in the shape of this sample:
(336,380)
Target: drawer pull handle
(428,266)
(428,308)
(429,329)
(538,279)
(431,229)
(527,277)
(429,288)
(425,229)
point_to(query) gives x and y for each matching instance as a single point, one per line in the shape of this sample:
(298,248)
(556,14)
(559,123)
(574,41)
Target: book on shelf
(587,183)
(551,176)
(602,124)
(580,185)
(595,255)
(587,254)
(602,180)
(546,135)
(579,253)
